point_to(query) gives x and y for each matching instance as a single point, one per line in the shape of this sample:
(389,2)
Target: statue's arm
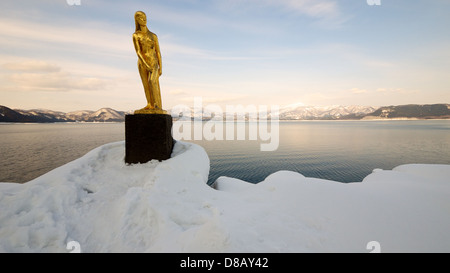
(158,54)
(137,47)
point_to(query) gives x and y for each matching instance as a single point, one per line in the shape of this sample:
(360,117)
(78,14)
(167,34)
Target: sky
(228,52)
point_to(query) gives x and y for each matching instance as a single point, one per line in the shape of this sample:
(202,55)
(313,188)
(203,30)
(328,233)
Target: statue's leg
(155,89)
(145,77)
(158,97)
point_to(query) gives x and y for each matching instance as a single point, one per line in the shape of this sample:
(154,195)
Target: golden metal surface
(149,64)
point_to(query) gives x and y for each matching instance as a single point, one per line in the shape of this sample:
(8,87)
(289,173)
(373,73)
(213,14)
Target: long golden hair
(138,13)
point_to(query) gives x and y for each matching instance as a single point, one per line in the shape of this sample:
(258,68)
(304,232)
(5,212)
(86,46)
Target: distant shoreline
(281,120)
(401,112)
(63,122)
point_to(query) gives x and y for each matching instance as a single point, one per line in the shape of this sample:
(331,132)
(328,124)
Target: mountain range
(292,112)
(324,112)
(43,115)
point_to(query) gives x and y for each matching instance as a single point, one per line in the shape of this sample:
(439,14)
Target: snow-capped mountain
(79,115)
(44,115)
(293,112)
(101,115)
(301,112)
(412,111)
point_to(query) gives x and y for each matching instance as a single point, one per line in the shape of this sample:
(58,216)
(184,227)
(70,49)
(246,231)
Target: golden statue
(149,64)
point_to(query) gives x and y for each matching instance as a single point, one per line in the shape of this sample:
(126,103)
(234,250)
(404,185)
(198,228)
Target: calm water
(344,151)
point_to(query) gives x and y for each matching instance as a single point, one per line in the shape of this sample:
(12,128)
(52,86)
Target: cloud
(89,38)
(358,91)
(219,15)
(236,99)
(37,75)
(313,8)
(82,36)
(177,92)
(397,91)
(173,49)
(389,90)
(32,66)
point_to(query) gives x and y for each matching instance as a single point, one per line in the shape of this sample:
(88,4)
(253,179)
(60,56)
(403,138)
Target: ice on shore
(107,206)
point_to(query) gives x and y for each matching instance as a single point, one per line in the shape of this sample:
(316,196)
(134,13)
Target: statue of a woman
(149,64)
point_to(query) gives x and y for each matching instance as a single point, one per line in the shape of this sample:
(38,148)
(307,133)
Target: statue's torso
(147,44)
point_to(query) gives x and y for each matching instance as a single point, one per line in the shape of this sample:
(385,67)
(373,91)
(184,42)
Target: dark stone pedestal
(147,137)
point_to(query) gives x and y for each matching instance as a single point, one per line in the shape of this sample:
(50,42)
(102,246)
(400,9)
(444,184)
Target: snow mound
(107,206)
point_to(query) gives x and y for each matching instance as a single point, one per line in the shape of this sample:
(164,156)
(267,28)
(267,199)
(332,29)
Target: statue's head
(140,19)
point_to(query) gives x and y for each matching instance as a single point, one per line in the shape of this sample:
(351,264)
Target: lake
(344,151)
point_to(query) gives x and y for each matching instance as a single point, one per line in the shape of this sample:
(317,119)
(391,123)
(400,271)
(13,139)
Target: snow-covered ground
(107,206)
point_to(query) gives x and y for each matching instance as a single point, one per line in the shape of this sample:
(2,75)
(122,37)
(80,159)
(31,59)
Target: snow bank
(107,206)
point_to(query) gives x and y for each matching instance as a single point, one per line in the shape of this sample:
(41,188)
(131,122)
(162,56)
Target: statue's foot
(148,107)
(150,110)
